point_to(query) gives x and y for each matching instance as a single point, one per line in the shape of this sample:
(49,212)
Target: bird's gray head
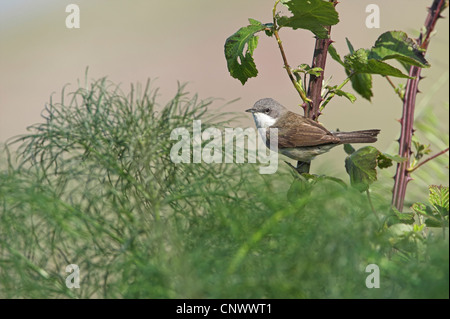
(266,112)
(269,107)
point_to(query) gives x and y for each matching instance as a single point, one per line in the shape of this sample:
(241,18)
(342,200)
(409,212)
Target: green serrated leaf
(361,167)
(407,218)
(305,68)
(432,217)
(439,198)
(421,149)
(268,30)
(383,161)
(348,95)
(239,51)
(397,45)
(311,15)
(349,149)
(350,46)
(381,68)
(315,71)
(360,62)
(397,217)
(362,83)
(400,90)
(339,92)
(430,222)
(255,22)
(333,53)
(395,158)
(422,209)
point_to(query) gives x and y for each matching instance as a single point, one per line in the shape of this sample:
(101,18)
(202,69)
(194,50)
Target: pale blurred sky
(132,40)
(12,12)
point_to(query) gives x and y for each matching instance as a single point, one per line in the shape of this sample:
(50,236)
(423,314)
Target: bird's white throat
(263,120)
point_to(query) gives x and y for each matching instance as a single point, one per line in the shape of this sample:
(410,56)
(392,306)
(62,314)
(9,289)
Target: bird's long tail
(365,136)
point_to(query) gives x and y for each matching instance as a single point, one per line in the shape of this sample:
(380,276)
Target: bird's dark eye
(266,111)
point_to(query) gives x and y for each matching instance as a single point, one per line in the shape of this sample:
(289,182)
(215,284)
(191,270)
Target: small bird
(301,138)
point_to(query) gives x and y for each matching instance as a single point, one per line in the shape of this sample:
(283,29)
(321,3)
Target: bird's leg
(303,167)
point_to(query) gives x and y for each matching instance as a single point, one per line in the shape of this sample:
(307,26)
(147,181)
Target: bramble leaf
(431,219)
(305,68)
(340,92)
(422,209)
(311,15)
(397,217)
(333,53)
(359,62)
(361,166)
(350,46)
(349,149)
(437,214)
(439,198)
(395,158)
(397,45)
(432,222)
(385,160)
(269,29)
(239,51)
(420,149)
(362,83)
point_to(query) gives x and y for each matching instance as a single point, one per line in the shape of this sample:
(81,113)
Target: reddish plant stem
(402,176)
(312,108)
(315,82)
(428,159)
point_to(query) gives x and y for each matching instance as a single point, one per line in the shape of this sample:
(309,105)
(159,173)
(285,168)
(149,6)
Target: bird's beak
(250,110)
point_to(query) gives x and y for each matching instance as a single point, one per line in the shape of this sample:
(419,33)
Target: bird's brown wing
(295,130)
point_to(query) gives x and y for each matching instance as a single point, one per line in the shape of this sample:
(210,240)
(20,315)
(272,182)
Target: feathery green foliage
(93,185)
